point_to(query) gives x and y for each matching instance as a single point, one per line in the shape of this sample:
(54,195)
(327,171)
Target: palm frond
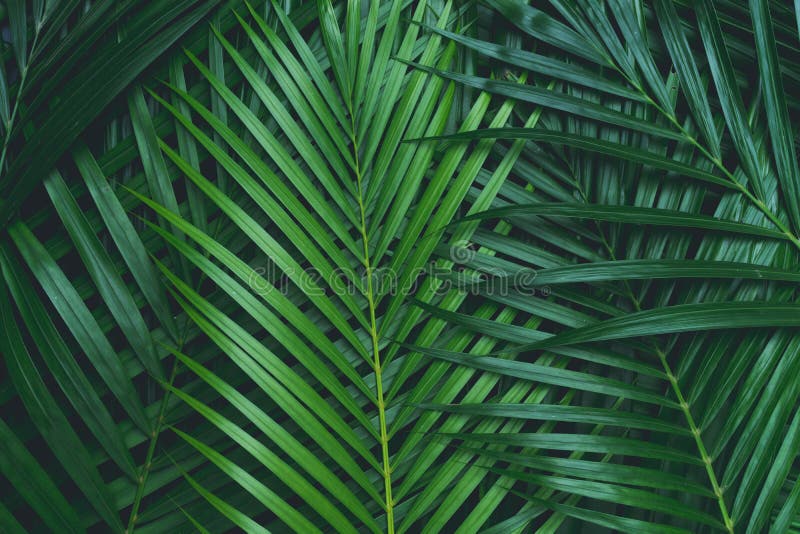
(399,266)
(711,383)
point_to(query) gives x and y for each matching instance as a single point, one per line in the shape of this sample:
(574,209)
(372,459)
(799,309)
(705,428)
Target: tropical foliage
(401,266)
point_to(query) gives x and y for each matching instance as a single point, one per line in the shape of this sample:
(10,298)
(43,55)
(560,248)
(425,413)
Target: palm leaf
(736,471)
(399,266)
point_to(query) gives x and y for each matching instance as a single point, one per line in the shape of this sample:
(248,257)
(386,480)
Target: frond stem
(713,159)
(687,414)
(718,164)
(148,462)
(384,435)
(695,430)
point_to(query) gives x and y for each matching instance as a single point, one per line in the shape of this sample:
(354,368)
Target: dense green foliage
(399,266)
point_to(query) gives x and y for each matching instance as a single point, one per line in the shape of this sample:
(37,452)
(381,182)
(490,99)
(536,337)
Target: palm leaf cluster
(399,266)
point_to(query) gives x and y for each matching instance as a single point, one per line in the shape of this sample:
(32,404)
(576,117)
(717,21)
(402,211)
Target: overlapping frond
(657,349)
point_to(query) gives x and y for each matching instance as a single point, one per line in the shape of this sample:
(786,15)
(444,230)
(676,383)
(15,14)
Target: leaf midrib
(676,389)
(373,332)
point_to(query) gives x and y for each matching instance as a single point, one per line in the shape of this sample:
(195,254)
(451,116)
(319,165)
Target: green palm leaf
(383,265)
